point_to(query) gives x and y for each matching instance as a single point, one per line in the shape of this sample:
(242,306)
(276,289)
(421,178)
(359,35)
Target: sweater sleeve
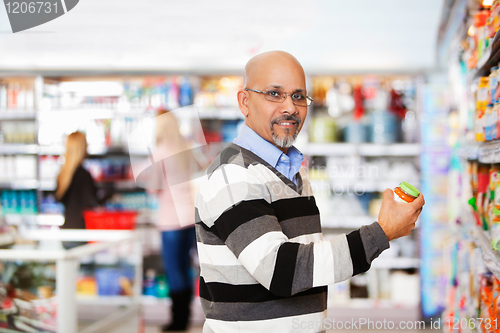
(237,208)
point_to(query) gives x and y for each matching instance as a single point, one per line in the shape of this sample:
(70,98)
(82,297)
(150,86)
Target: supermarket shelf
(224,113)
(32,219)
(489,152)
(491,257)
(6,239)
(469,150)
(51,150)
(47,185)
(489,59)
(483,65)
(93,150)
(120,184)
(12,114)
(368,303)
(155,311)
(347,222)
(374,310)
(356,186)
(105,300)
(19,184)
(220,113)
(92,113)
(396,263)
(365,149)
(11,149)
(128,184)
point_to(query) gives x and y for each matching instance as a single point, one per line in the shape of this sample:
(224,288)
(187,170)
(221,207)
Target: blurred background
(403,91)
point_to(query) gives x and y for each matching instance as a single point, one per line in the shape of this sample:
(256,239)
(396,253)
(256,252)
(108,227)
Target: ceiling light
(487,3)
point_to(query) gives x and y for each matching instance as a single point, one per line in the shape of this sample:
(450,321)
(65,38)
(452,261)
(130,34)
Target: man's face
(278,123)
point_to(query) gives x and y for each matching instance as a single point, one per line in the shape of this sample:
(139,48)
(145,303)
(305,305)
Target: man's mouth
(286,121)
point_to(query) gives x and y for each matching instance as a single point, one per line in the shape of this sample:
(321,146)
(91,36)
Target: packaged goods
(406,192)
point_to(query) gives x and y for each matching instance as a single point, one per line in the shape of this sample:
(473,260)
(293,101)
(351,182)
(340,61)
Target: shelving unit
(67,267)
(490,257)
(364,149)
(341,174)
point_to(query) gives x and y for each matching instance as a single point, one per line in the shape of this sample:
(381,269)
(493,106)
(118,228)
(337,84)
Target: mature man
(264,263)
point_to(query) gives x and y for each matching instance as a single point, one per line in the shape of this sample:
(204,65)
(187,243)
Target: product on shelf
(17,95)
(49,205)
(17,167)
(219,92)
(19,202)
(49,167)
(27,301)
(128,94)
(364,109)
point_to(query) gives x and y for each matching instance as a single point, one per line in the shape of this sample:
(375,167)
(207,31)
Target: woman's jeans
(176,247)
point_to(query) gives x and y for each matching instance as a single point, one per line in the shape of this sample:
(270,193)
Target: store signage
(26,14)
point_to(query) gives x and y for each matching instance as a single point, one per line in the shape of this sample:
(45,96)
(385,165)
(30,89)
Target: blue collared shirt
(287,164)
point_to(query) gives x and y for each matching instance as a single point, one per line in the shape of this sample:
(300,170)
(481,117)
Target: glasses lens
(274,95)
(300,100)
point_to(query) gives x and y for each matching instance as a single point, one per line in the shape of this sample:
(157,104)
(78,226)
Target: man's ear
(243,102)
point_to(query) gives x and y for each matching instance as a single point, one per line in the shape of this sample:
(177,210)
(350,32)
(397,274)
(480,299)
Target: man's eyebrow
(275,86)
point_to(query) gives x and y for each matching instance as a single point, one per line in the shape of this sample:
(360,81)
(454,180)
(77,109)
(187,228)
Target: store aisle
(198,329)
(157,329)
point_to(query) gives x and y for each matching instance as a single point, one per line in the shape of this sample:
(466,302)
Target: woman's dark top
(81,194)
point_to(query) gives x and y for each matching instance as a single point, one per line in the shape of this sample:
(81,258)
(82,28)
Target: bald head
(268,61)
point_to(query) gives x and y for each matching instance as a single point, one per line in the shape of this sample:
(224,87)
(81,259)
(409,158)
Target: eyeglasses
(279,97)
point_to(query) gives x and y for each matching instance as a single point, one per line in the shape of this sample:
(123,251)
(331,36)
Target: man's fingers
(388,194)
(419,202)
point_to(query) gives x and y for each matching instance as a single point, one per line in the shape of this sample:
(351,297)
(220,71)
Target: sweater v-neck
(258,160)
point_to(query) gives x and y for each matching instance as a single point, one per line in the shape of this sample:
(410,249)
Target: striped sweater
(264,263)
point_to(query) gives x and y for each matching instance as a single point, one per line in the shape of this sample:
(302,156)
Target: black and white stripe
(263,259)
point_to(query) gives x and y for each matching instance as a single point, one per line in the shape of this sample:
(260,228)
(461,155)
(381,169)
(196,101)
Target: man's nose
(288,106)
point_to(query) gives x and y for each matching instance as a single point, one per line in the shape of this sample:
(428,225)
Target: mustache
(285,118)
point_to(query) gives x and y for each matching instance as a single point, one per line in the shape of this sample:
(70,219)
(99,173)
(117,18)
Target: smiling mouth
(286,123)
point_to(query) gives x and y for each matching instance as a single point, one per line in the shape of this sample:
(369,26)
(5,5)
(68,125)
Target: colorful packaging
(482,93)
(488,122)
(493,82)
(405,192)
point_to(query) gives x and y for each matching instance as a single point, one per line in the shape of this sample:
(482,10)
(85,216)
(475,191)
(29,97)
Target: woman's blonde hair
(76,151)
(168,134)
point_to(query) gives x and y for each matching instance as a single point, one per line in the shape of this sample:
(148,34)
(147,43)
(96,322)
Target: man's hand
(397,219)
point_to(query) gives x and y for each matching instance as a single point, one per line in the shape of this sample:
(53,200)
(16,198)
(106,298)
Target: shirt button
(283,158)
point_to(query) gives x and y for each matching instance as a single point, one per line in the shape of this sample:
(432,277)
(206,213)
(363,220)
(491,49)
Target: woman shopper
(75,187)
(170,182)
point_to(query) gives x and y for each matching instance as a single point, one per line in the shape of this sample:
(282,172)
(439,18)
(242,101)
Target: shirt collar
(250,140)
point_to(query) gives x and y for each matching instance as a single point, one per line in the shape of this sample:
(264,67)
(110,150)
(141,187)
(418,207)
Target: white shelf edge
(92,150)
(19,184)
(15,148)
(396,263)
(357,186)
(14,114)
(368,303)
(489,152)
(6,238)
(491,257)
(346,221)
(364,149)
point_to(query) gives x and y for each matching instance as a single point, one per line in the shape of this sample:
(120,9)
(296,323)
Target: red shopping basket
(110,220)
